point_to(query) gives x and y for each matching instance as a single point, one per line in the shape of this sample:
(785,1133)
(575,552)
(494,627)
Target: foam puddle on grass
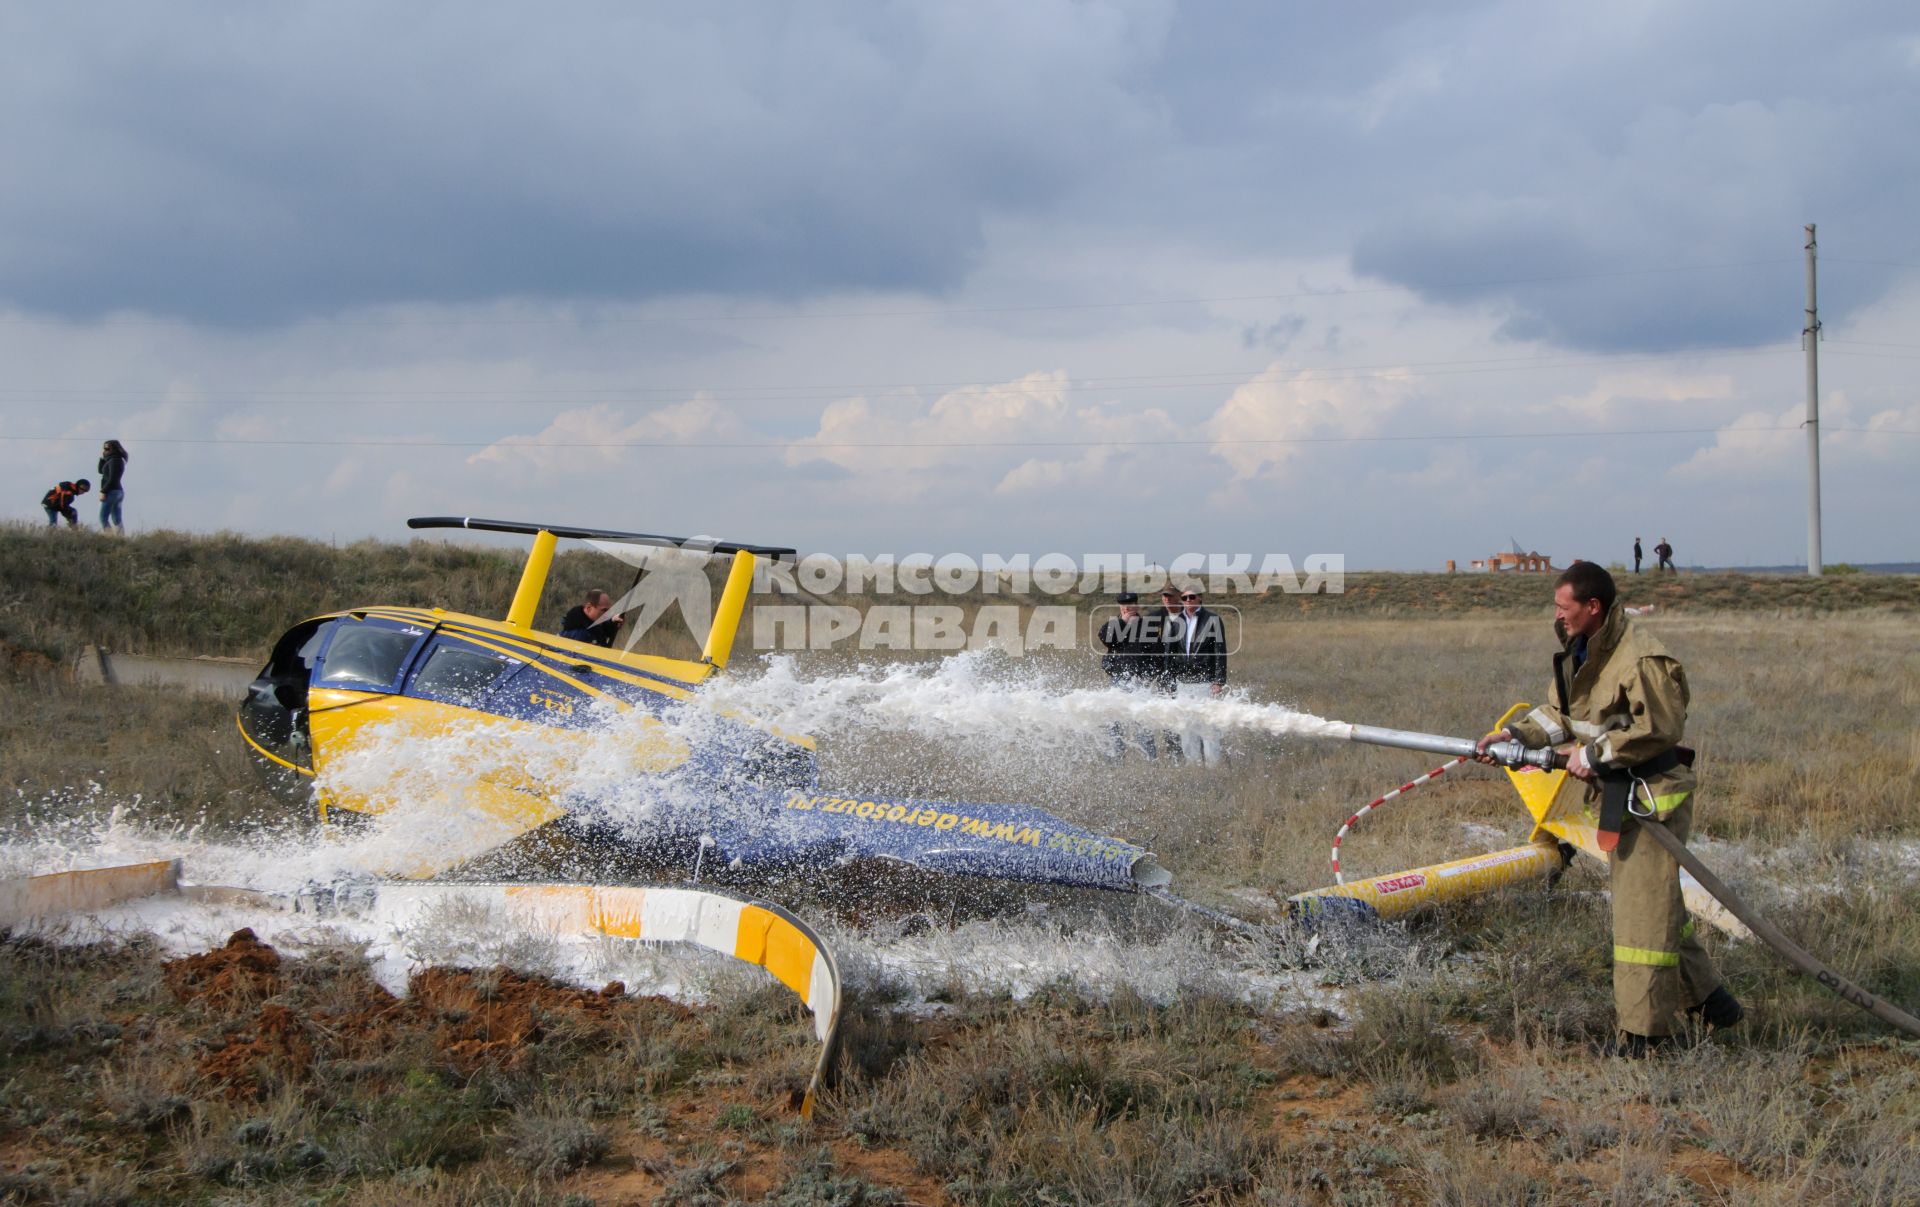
(1084,955)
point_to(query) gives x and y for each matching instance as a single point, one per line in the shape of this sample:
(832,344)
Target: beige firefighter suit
(1627,703)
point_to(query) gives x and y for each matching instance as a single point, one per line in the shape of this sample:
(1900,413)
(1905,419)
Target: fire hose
(1338,876)
(1512,753)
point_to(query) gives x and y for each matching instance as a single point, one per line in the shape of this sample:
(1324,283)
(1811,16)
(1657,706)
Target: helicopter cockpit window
(293,655)
(274,713)
(366,656)
(458,676)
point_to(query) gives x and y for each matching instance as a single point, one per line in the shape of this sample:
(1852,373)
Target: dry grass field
(1456,1067)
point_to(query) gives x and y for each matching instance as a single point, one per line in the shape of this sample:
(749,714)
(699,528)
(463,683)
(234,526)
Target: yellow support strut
(533,580)
(726,617)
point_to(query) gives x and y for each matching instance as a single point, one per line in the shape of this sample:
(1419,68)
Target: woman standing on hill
(113,468)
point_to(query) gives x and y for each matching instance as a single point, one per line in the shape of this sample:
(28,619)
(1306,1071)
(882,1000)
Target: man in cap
(1133,659)
(59,502)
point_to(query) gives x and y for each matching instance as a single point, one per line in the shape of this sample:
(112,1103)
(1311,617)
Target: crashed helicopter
(336,685)
(747,798)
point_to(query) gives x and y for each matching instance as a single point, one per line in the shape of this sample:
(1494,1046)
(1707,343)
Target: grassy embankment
(1464,1079)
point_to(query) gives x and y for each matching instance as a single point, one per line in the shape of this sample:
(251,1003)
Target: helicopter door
(457,673)
(274,715)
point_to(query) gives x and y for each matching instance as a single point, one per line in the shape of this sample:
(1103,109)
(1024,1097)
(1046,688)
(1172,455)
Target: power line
(742,395)
(937,312)
(1846,355)
(510,443)
(1875,263)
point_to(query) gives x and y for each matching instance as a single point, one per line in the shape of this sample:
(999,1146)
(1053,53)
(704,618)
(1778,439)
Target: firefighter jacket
(1626,703)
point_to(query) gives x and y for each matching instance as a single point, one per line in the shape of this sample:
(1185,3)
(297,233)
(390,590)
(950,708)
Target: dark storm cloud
(1550,280)
(1686,139)
(248,163)
(1456,148)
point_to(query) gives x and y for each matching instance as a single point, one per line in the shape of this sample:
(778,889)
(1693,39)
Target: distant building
(1515,558)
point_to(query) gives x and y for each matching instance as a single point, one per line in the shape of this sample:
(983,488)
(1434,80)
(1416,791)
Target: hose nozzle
(1510,753)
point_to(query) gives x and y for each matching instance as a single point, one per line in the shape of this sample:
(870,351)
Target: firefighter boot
(1625,1045)
(1720,1011)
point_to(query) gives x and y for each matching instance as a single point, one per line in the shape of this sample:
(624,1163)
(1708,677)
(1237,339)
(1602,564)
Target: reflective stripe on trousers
(1646,955)
(1659,967)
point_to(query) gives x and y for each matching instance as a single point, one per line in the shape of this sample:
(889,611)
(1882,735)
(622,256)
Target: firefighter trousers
(1659,968)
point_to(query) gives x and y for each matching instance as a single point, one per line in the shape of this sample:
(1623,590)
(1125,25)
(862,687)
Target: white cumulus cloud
(1275,418)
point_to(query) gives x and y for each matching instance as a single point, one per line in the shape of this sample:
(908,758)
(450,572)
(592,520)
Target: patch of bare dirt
(473,1018)
(491,1017)
(31,665)
(243,970)
(278,1047)
(641,1165)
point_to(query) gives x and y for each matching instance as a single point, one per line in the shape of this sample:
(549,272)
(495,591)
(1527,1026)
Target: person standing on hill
(1618,711)
(113,471)
(1664,552)
(1636,555)
(59,502)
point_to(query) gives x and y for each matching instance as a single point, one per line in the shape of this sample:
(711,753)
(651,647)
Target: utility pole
(1810,339)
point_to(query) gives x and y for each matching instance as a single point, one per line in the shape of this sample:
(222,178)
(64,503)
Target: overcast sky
(1398,281)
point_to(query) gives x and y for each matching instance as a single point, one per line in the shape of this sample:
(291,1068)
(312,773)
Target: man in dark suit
(1133,659)
(1636,555)
(1166,624)
(1197,657)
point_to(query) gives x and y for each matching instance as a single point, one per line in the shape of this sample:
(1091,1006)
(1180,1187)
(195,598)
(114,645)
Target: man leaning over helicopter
(589,621)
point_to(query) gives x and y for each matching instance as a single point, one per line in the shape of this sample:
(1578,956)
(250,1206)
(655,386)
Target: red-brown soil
(244,970)
(472,1018)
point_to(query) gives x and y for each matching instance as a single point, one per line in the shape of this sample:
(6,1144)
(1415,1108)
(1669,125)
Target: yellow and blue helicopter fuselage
(393,683)
(488,730)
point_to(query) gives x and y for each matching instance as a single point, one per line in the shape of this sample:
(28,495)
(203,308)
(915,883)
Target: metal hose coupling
(1509,753)
(1512,754)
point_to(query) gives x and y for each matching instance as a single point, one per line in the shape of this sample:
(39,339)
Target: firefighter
(59,502)
(1617,708)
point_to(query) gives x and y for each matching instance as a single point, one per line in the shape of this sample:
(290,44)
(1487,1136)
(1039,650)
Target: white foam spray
(431,790)
(983,697)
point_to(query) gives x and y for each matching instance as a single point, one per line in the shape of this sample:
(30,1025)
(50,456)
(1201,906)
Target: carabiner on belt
(1640,789)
